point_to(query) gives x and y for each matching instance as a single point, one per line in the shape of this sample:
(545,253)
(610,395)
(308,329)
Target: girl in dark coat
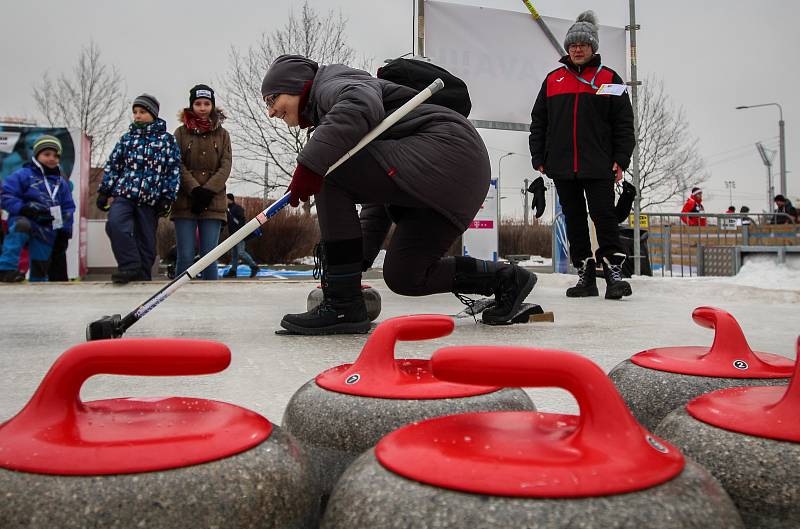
(201,205)
(428,174)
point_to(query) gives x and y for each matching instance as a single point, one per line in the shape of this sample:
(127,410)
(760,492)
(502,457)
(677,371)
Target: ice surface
(40,321)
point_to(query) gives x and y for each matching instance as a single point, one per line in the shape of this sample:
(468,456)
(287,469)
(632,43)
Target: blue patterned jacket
(145,165)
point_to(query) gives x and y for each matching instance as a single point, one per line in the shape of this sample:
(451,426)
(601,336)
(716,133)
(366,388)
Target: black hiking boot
(11,276)
(512,286)
(587,281)
(253,271)
(230,274)
(616,287)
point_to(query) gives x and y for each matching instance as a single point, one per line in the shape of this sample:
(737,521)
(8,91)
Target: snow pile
(537,260)
(766,272)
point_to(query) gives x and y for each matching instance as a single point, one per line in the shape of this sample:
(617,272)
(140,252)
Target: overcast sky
(711,55)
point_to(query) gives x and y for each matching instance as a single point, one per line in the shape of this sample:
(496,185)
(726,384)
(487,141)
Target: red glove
(305,183)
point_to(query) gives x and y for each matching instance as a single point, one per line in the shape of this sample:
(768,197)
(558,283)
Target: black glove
(628,189)
(36,212)
(201,199)
(102,202)
(538,203)
(625,202)
(31,211)
(163,207)
(61,242)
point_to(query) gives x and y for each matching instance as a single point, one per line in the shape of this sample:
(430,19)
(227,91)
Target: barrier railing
(676,248)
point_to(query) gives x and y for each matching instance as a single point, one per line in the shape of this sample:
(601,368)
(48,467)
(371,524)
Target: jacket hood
(218,117)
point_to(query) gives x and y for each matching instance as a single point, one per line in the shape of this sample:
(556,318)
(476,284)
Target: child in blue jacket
(142,177)
(40,208)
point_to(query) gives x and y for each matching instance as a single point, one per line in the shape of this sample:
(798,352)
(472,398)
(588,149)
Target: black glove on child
(538,203)
(37,213)
(102,202)
(163,207)
(201,199)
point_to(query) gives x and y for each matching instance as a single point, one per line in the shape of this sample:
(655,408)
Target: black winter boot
(587,280)
(122,277)
(512,286)
(342,310)
(11,276)
(616,288)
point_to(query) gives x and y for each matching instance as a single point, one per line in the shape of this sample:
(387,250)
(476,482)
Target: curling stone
(527,469)
(346,410)
(372,299)
(656,381)
(168,462)
(749,439)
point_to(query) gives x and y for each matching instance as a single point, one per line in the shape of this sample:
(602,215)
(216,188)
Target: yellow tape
(532,9)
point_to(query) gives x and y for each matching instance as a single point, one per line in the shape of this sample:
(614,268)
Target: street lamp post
(731,185)
(781,139)
(499,194)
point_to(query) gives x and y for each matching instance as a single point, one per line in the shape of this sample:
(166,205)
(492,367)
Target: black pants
(574,195)
(132,230)
(413,265)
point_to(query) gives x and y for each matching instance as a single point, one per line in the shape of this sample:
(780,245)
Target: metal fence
(671,247)
(676,248)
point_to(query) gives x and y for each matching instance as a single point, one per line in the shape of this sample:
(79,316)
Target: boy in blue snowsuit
(40,209)
(142,175)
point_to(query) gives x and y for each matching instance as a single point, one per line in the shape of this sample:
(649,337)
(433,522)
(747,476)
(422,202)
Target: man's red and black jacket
(574,131)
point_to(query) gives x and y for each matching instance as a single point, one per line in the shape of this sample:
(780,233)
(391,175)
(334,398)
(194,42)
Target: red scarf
(304,123)
(195,123)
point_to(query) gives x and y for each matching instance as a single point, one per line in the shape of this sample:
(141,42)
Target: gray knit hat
(46,141)
(147,102)
(288,74)
(584,30)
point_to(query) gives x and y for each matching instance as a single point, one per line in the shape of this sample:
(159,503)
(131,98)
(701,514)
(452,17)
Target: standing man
(694,204)
(236,220)
(584,141)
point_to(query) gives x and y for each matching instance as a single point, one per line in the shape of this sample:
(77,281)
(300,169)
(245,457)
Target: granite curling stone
(147,462)
(346,410)
(749,439)
(656,381)
(498,470)
(372,300)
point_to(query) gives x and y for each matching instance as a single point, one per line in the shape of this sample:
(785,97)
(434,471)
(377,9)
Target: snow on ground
(40,321)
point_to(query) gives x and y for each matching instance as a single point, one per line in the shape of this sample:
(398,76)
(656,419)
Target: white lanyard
(53,192)
(46,184)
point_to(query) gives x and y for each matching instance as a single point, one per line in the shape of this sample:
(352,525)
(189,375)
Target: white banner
(480,239)
(504,56)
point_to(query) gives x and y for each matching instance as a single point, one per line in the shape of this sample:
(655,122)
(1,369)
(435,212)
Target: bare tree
(92,97)
(269,145)
(668,157)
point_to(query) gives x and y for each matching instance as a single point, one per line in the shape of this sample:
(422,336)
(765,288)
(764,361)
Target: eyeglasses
(579,46)
(270,100)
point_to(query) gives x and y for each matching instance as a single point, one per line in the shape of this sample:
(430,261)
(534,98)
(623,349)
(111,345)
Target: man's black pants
(413,265)
(574,195)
